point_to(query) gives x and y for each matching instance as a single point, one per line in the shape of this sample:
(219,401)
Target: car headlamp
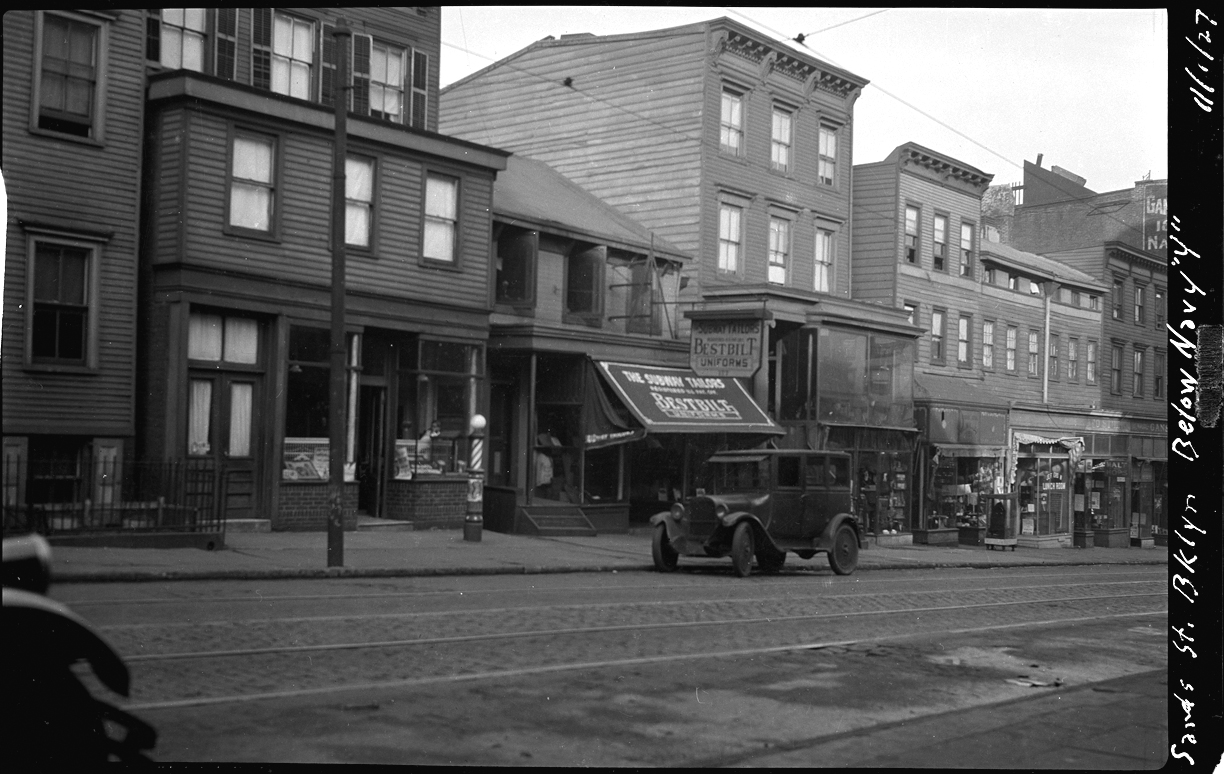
(677,511)
(720,510)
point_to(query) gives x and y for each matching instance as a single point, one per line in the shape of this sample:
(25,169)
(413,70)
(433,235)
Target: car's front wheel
(742,549)
(843,557)
(665,557)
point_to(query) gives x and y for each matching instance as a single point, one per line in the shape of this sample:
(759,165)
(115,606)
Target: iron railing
(74,497)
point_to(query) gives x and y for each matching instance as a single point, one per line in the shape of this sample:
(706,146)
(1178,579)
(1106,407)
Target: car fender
(674,530)
(826,538)
(36,625)
(760,535)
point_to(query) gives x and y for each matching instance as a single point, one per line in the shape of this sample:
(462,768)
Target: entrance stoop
(375,524)
(248,525)
(553,521)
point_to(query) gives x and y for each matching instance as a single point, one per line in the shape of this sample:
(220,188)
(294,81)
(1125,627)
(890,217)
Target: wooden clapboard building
(73,112)
(235,283)
(735,148)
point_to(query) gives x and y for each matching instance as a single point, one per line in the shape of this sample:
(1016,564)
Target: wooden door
(222,421)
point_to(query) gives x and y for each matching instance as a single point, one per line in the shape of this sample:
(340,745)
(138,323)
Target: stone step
(372,524)
(248,525)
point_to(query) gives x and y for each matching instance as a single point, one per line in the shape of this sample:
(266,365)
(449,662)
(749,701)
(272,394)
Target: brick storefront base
(428,504)
(305,508)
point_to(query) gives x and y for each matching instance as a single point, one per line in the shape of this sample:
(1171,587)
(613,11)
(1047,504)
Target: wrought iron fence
(73,497)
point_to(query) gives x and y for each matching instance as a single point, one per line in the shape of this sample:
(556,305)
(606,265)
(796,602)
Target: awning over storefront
(968,450)
(677,400)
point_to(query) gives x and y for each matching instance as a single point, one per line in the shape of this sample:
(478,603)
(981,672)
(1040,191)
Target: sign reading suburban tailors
(677,400)
(725,347)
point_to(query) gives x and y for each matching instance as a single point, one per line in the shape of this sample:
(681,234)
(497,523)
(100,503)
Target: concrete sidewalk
(380,553)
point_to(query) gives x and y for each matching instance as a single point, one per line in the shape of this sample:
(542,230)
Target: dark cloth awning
(677,400)
(602,424)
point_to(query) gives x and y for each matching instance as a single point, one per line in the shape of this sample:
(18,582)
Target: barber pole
(473,519)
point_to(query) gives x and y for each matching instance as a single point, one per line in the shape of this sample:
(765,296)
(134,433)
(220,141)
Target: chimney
(1039,156)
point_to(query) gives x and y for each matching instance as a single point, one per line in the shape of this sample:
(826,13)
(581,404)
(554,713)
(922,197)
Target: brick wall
(428,504)
(305,507)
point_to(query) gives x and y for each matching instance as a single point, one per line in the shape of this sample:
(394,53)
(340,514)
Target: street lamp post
(473,518)
(337,404)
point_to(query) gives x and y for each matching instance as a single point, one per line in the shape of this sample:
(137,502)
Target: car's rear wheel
(665,557)
(742,549)
(843,557)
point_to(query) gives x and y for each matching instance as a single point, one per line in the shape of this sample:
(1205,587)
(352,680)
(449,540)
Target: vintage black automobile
(764,503)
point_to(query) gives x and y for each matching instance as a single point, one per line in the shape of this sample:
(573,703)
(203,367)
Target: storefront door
(372,443)
(221,422)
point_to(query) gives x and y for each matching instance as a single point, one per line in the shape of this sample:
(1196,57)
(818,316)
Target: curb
(141,576)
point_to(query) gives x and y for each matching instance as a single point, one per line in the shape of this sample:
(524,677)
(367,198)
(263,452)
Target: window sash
(940,240)
(911,234)
(199,416)
(241,404)
(827,149)
(966,255)
(1158,377)
(68,74)
(388,67)
(779,249)
(937,335)
(359,201)
(781,140)
(1072,360)
(988,344)
(1033,353)
(962,341)
(251,184)
(292,56)
(1090,366)
(823,279)
(1137,382)
(731,123)
(729,223)
(1052,357)
(441,218)
(60,301)
(1138,305)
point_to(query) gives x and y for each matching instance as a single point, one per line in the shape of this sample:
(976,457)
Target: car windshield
(727,475)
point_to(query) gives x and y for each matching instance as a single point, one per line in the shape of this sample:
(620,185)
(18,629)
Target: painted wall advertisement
(1155,218)
(725,347)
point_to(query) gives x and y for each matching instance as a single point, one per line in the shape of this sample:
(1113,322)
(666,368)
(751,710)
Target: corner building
(236,261)
(734,148)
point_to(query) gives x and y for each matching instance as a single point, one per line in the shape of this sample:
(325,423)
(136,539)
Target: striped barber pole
(477,455)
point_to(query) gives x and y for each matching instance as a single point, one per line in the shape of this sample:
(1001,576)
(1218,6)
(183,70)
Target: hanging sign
(725,347)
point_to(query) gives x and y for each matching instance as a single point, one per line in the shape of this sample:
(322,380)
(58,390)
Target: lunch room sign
(725,347)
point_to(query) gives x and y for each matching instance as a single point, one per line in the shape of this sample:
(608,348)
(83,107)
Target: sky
(992,88)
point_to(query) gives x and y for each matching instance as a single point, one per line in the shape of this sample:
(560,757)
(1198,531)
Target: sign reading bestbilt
(725,348)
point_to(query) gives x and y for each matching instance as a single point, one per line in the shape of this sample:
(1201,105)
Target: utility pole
(337,402)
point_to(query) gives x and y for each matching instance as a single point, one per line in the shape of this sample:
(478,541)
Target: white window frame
(778,270)
(966,255)
(912,239)
(730,238)
(939,331)
(781,133)
(988,344)
(1034,354)
(731,127)
(964,356)
(187,30)
(939,242)
(826,173)
(358,200)
(439,219)
(1013,334)
(826,247)
(96,124)
(388,85)
(271,185)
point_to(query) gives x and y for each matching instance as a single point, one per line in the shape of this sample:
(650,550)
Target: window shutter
(261,54)
(153,36)
(226,43)
(420,81)
(327,69)
(108,471)
(360,103)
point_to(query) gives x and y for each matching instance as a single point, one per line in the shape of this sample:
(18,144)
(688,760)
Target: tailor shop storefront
(604,441)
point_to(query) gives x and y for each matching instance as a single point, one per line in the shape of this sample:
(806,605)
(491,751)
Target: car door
(787,497)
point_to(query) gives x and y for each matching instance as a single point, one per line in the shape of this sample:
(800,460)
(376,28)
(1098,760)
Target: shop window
(824,261)
(252,183)
(730,225)
(584,284)
(359,201)
(69,78)
(827,173)
(307,383)
(440,241)
(939,245)
(731,123)
(911,234)
(517,249)
(779,250)
(861,379)
(780,140)
(439,384)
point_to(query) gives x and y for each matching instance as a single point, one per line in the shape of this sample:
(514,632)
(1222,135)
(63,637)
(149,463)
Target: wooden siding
(627,132)
(640,129)
(876,238)
(90,187)
(302,255)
